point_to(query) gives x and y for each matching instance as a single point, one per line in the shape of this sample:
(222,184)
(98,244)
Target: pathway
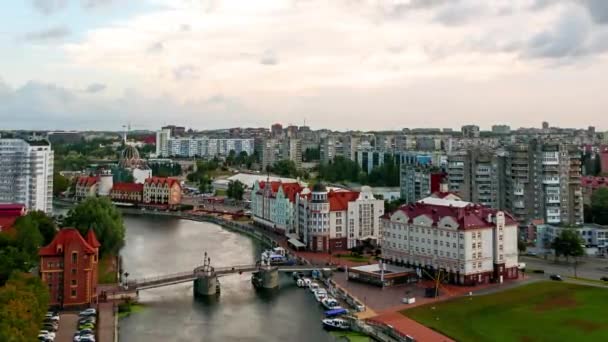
(106,325)
(67,327)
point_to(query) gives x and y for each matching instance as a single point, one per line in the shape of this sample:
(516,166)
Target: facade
(68,265)
(470,131)
(169,146)
(473,244)
(294,152)
(273,205)
(26,173)
(501,129)
(127,192)
(419,181)
(590,184)
(474,175)
(594,236)
(543,181)
(162,191)
(86,186)
(337,219)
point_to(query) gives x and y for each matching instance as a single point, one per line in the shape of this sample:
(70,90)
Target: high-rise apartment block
(474,175)
(169,146)
(26,173)
(470,131)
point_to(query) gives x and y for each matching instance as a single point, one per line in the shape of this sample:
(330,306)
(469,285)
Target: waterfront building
(9,213)
(131,166)
(26,173)
(333,220)
(127,193)
(68,266)
(86,186)
(273,205)
(162,191)
(473,244)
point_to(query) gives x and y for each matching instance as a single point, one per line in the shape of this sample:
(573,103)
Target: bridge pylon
(205,283)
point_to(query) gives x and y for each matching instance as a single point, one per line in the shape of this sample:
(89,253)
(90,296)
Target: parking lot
(67,327)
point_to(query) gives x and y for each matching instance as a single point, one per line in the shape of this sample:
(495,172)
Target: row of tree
(345,170)
(23,303)
(166,169)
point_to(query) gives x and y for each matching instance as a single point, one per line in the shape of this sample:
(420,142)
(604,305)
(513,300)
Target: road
(591,267)
(67,327)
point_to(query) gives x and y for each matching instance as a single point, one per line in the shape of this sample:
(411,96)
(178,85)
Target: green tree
(521,246)
(599,206)
(13,259)
(312,154)
(28,238)
(236,190)
(285,168)
(46,225)
(204,184)
(60,184)
(23,303)
(390,206)
(102,216)
(569,244)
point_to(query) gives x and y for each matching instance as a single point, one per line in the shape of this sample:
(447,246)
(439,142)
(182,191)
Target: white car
(87,338)
(88,312)
(52,316)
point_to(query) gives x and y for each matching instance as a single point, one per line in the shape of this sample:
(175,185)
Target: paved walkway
(67,327)
(410,327)
(106,326)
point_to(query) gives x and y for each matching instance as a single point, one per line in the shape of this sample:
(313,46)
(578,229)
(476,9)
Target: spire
(92,239)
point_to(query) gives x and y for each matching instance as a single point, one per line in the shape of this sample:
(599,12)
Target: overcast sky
(340,64)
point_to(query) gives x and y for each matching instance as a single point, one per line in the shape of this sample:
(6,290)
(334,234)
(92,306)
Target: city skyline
(360,65)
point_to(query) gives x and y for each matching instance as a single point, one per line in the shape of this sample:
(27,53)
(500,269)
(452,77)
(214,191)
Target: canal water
(157,245)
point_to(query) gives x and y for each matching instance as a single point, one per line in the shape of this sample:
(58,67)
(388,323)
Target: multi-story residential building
(127,192)
(470,131)
(419,181)
(474,176)
(68,266)
(590,184)
(594,236)
(162,191)
(295,152)
(501,129)
(271,153)
(543,181)
(473,244)
(162,142)
(331,147)
(333,220)
(276,130)
(26,173)
(175,130)
(273,205)
(167,146)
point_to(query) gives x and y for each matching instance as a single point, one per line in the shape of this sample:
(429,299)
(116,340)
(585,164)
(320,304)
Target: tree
(285,168)
(23,303)
(46,225)
(390,206)
(28,238)
(99,214)
(569,244)
(236,189)
(60,184)
(599,206)
(204,184)
(312,154)
(521,246)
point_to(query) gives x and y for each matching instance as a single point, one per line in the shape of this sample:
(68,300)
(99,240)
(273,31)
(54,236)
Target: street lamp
(126,285)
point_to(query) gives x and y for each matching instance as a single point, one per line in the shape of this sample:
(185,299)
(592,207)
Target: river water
(157,245)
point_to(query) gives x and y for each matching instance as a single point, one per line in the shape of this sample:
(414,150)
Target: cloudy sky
(341,64)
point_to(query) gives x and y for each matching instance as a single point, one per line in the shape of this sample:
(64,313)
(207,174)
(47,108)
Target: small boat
(313,287)
(320,294)
(300,283)
(336,312)
(335,324)
(330,303)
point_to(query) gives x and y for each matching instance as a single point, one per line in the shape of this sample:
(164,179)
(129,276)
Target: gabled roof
(290,190)
(87,181)
(92,239)
(63,238)
(338,200)
(129,187)
(9,213)
(162,181)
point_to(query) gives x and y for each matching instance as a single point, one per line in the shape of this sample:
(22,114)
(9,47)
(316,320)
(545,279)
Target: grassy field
(106,271)
(544,311)
(353,258)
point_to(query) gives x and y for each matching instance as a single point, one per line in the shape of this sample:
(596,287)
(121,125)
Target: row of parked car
(49,327)
(87,321)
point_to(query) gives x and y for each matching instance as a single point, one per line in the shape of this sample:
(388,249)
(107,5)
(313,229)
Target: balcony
(551,180)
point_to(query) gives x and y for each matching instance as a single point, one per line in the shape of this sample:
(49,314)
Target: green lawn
(353,258)
(544,311)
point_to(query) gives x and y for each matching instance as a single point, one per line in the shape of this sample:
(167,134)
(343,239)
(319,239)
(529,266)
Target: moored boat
(330,303)
(335,324)
(320,294)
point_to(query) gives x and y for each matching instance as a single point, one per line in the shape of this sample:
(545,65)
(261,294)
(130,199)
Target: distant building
(276,130)
(334,220)
(127,193)
(590,184)
(175,130)
(419,181)
(545,125)
(594,236)
(470,131)
(472,244)
(474,175)
(501,129)
(65,137)
(162,191)
(68,266)
(9,213)
(26,173)
(86,186)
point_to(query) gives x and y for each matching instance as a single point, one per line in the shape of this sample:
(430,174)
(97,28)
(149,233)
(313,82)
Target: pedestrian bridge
(207,271)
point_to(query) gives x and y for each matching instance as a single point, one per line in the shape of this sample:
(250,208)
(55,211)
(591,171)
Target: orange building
(162,191)
(68,265)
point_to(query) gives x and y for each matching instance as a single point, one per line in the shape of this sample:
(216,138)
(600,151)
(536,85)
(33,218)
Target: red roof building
(86,186)
(272,205)
(68,265)
(127,192)
(9,213)
(471,243)
(162,191)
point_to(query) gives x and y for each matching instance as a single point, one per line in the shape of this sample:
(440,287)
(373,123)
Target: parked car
(83,332)
(54,316)
(86,326)
(47,333)
(556,277)
(50,326)
(84,338)
(88,312)
(88,319)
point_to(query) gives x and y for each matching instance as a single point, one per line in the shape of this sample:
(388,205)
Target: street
(591,267)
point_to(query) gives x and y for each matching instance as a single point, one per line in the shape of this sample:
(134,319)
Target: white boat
(320,294)
(300,283)
(335,324)
(313,287)
(330,303)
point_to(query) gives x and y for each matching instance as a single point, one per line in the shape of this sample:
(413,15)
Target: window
(73,293)
(479,265)
(74,257)
(473,245)
(73,271)
(74,282)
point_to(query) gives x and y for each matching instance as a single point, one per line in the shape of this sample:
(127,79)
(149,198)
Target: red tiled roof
(291,190)
(162,180)
(472,216)
(594,182)
(12,210)
(64,237)
(92,239)
(338,200)
(274,186)
(130,187)
(86,180)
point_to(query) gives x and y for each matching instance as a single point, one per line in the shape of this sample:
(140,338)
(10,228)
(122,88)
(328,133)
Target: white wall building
(26,173)
(166,146)
(471,243)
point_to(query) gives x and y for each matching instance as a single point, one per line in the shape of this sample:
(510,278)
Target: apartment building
(273,205)
(475,176)
(471,243)
(333,220)
(168,146)
(418,181)
(26,173)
